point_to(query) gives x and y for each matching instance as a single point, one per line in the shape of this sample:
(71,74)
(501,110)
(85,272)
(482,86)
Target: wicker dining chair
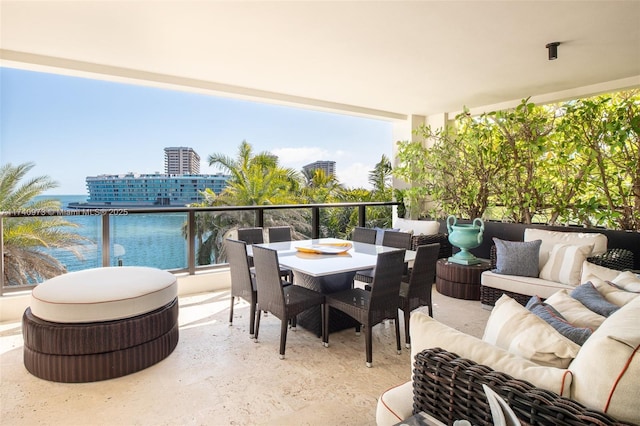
(278,234)
(255,235)
(395,239)
(416,288)
(364,235)
(371,307)
(243,285)
(284,302)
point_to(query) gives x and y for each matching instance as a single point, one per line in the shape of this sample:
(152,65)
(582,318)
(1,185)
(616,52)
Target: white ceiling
(388,59)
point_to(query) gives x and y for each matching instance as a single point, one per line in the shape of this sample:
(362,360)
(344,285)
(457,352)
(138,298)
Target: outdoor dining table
(327,265)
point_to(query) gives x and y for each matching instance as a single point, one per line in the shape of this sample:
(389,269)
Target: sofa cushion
(589,296)
(611,291)
(574,311)
(517,257)
(590,270)
(565,263)
(550,238)
(395,405)
(103,294)
(523,285)
(555,319)
(512,327)
(607,367)
(418,227)
(427,332)
(627,281)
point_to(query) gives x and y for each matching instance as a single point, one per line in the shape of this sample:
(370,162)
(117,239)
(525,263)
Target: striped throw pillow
(565,263)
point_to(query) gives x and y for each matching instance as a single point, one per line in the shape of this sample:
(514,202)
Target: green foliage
(412,167)
(24,238)
(578,162)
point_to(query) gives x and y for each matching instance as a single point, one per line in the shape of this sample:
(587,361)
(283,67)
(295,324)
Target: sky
(73,127)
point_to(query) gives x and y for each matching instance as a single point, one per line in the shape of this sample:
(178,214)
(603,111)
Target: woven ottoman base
(102,366)
(96,337)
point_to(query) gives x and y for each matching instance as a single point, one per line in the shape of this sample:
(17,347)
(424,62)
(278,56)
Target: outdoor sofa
(600,374)
(521,270)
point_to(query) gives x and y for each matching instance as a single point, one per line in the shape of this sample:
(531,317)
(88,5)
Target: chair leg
(322,314)
(396,322)
(252,320)
(283,336)
(325,325)
(231,312)
(407,337)
(368,348)
(255,336)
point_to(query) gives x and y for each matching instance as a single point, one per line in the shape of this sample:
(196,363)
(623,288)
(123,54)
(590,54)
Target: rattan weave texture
(242,282)
(415,289)
(372,307)
(96,337)
(285,302)
(450,388)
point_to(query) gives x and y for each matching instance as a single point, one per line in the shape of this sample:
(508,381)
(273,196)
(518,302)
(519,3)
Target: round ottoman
(100,323)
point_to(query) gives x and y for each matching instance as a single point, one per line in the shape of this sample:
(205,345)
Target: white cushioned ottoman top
(103,294)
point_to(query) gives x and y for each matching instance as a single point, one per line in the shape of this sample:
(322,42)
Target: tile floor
(217,375)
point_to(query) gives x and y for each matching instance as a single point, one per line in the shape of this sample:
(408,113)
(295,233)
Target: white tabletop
(359,257)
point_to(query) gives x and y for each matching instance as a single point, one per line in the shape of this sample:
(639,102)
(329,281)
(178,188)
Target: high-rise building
(181,161)
(329,167)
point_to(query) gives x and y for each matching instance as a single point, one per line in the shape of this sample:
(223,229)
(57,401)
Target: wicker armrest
(616,258)
(450,388)
(445,246)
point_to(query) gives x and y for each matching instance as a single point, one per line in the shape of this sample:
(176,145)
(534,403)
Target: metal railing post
(191,242)
(260,218)
(106,240)
(315,222)
(362,216)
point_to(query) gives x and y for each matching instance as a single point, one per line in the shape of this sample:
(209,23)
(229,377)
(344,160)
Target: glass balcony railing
(184,239)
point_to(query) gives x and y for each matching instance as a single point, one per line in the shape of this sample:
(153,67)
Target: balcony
(217,374)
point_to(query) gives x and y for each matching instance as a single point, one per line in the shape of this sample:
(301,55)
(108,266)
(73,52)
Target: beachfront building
(145,190)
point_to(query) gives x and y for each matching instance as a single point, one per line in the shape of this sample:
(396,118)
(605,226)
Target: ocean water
(153,240)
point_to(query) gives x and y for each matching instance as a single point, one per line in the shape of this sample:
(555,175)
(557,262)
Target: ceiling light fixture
(553,50)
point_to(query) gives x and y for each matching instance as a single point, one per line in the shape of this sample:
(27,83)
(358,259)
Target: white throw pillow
(589,270)
(606,371)
(565,263)
(549,238)
(611,292)
(512,327)
(628,281)
(573,311)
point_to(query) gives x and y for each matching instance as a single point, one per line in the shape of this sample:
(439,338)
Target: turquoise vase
(465,237)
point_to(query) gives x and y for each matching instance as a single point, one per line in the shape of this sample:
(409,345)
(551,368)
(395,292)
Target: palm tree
(380,179)
(24,238)
(256,179)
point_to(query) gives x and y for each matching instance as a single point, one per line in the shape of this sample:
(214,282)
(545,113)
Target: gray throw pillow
(590,297)
(555,319)
(517,257)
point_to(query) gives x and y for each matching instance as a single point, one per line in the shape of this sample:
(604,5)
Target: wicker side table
(460,281)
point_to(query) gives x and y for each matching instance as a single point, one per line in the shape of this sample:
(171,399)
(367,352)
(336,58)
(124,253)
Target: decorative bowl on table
(325,248)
